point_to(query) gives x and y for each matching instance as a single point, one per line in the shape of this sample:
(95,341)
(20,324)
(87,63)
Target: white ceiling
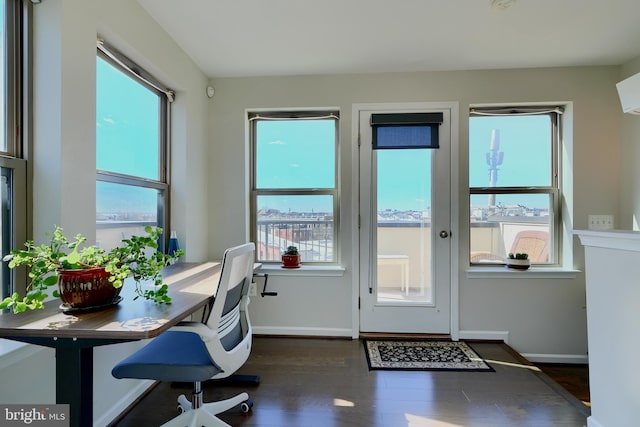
(232,38)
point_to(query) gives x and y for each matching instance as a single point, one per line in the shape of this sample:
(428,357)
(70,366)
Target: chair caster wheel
(246,406)
(183,404)
(183,409)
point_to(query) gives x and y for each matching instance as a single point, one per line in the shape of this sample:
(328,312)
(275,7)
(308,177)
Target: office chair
(533,242)
(195,351)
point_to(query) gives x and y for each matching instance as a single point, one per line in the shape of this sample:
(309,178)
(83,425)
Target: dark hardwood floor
(327,383)
(573,378)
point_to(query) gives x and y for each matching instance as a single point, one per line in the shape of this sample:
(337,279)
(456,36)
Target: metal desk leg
(74,383)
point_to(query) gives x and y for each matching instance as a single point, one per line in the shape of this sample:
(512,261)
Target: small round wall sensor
(210,91)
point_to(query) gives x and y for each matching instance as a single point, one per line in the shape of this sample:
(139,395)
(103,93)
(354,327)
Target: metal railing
(313,238)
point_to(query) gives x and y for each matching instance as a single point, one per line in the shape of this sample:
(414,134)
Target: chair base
(205,415)
(252,380)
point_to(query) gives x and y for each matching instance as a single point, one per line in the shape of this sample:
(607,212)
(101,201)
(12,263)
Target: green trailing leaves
(136,257)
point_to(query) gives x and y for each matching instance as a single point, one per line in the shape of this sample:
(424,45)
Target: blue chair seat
(172,356)
(181,355)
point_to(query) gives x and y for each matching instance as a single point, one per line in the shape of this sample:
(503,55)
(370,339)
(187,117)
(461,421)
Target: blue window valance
(405,130)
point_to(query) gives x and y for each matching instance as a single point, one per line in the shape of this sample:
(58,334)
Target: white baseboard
(532,357)
(293,331)
(591,422)
(557,358)
(484,335)
(121,405)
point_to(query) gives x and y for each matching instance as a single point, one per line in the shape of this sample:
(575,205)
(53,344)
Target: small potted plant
(291,258)
(518,261)
(90,277)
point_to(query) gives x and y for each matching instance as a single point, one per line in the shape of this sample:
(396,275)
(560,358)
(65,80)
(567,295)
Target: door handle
(444,234)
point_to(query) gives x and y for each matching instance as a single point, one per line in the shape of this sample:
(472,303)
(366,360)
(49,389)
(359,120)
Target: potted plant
(291,258)
(89,277)
(518,261)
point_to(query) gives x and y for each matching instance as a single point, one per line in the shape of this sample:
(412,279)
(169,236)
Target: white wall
(613,266)
(541,316)
(64,114)
(613,293)
(631,158)
(65,33)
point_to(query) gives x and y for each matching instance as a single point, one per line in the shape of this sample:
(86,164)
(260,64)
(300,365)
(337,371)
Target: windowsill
(502,272)
(304,270)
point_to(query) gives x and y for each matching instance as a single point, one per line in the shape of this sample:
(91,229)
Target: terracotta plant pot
(291,261)
(86,288)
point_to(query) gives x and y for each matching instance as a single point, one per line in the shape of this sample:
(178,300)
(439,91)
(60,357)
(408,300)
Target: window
(514,182)
(13,178)
(131,149)
(294,193)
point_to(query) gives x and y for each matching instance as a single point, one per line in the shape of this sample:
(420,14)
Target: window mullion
(115,178)
(511,190)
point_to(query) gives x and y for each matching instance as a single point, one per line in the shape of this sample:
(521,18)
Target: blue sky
(296,154)
(126,124)
(525,142)
(404,179)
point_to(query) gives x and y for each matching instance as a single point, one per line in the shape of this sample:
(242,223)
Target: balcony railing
(313,238)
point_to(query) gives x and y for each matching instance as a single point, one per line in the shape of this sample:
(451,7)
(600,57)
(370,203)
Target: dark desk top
(191,286)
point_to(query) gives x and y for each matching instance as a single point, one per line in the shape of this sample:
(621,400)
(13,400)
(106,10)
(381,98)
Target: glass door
(404,234)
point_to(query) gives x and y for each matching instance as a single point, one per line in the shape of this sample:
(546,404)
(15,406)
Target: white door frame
(455,202)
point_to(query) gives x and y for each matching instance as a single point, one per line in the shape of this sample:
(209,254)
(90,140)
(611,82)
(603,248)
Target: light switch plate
(600,222)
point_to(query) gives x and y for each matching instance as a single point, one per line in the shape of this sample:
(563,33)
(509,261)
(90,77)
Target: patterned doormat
(419,355)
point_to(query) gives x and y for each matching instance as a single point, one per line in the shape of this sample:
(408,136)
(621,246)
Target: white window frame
(17,73)
(138,74)
(253,117)
(554,190)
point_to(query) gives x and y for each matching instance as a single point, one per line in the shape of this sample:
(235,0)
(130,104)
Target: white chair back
(228,312)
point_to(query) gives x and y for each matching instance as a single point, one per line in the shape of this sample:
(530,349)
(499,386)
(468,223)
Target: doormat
(416,355)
